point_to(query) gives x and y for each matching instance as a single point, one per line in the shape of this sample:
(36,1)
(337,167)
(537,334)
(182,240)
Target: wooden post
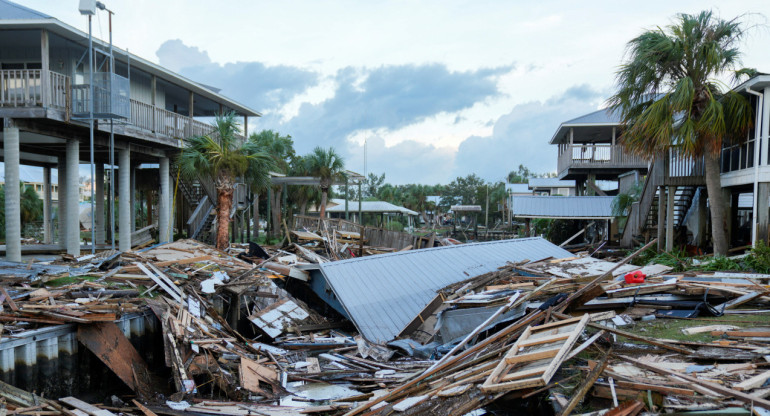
(153,82)
(45,90)
(670,218)
(661,217)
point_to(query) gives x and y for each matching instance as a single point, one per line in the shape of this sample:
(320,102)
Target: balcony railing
(33,88)
(597,156)
(48,89)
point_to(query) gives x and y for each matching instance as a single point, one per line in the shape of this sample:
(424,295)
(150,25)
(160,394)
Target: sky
(436,89)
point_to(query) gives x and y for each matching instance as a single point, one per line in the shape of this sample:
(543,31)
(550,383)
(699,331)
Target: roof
(550,183)
(464,208)
(368,206)
(599,118)
(574,207)
(382,294)
(31,174)
(14,16)
(756,83)
(13,11)
(517,188)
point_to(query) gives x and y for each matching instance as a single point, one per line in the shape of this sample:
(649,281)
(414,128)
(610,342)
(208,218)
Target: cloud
(406,162)
(388,97)
(522,136)
(261,87)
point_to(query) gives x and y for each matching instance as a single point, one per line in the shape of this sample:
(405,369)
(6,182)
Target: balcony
(48,90)
(598,158)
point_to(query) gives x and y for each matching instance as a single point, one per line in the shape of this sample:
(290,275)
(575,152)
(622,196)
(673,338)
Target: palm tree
(326,165)
(669,96)
(224,158)
(281,150)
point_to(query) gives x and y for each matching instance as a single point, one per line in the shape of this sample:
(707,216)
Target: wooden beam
(112,347)
(586,385)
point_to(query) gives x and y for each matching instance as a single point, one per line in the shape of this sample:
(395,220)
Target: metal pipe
(91,130)
(112,146)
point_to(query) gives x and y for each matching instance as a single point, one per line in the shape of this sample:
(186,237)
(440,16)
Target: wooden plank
(88,408)
(143,408)
(502,379)
(160,282)
(539,355)
(112,347)
(739,301)
(746,398)
(741,333)
(8,299)
(584,345)
(753,382)
(589,381)
(544,340)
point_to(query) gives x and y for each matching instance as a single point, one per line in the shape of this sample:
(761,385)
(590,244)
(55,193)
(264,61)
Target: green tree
(669,95)
(372,184)
(326,165)
(30,207)
(281,151)
(224,158)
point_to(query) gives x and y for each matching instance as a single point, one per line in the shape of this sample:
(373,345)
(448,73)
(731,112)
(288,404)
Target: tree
(669,96)
(372,185)
(224,158)
(281,150)
(326,165)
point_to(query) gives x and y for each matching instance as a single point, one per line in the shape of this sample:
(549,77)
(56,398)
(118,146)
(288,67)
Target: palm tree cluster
(223,157)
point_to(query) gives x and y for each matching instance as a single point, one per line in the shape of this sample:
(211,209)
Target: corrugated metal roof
(382,294)
(562,207)
(12,11)
(369,206)
(550,183)
(603,116)
(517,188)
(464,208)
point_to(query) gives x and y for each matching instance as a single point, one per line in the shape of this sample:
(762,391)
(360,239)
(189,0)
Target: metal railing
(199,217)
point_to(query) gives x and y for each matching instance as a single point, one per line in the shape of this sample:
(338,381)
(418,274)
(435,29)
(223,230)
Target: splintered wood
(536,355)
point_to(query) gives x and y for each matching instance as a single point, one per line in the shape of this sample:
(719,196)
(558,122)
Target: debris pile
(244,332)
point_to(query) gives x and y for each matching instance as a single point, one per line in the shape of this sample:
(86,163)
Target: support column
(661,217)
(99,203)
(47,234)
(763,197)
(61,201)
(133,198)
(163,202)
(670,218)
(12,194)
(124,200)
(73,197)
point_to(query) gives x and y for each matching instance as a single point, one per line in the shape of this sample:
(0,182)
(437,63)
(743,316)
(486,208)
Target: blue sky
(438,89)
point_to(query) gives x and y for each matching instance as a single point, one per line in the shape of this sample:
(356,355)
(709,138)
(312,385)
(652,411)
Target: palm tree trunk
(716,205)
(256,216)
(276,211)
(303,208)
(323,203)
(224,204)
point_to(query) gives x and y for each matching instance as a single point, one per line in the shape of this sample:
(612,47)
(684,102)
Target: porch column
(163,201)
(661,217)
(124,200)
(12,194)
(762,210)
(670,218)
(133,198)
(47,235)
(73,197)
(99,203)
(61,201)
(765,127)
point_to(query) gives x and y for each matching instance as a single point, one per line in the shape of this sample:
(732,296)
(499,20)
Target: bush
(395,226)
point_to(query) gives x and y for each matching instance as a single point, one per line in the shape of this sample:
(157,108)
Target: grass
(664,328)
(69,280)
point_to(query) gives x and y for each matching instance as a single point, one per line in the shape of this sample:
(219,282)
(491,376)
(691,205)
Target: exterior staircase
(684,174)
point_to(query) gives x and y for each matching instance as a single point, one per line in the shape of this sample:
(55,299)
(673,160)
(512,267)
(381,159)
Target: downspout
(757,153)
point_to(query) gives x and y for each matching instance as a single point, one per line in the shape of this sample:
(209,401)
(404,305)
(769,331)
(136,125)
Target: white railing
(33,88)
(597,155)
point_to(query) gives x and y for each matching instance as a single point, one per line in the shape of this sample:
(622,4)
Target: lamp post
(88,8)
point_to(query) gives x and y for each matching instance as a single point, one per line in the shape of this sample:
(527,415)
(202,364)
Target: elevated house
(145,110)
